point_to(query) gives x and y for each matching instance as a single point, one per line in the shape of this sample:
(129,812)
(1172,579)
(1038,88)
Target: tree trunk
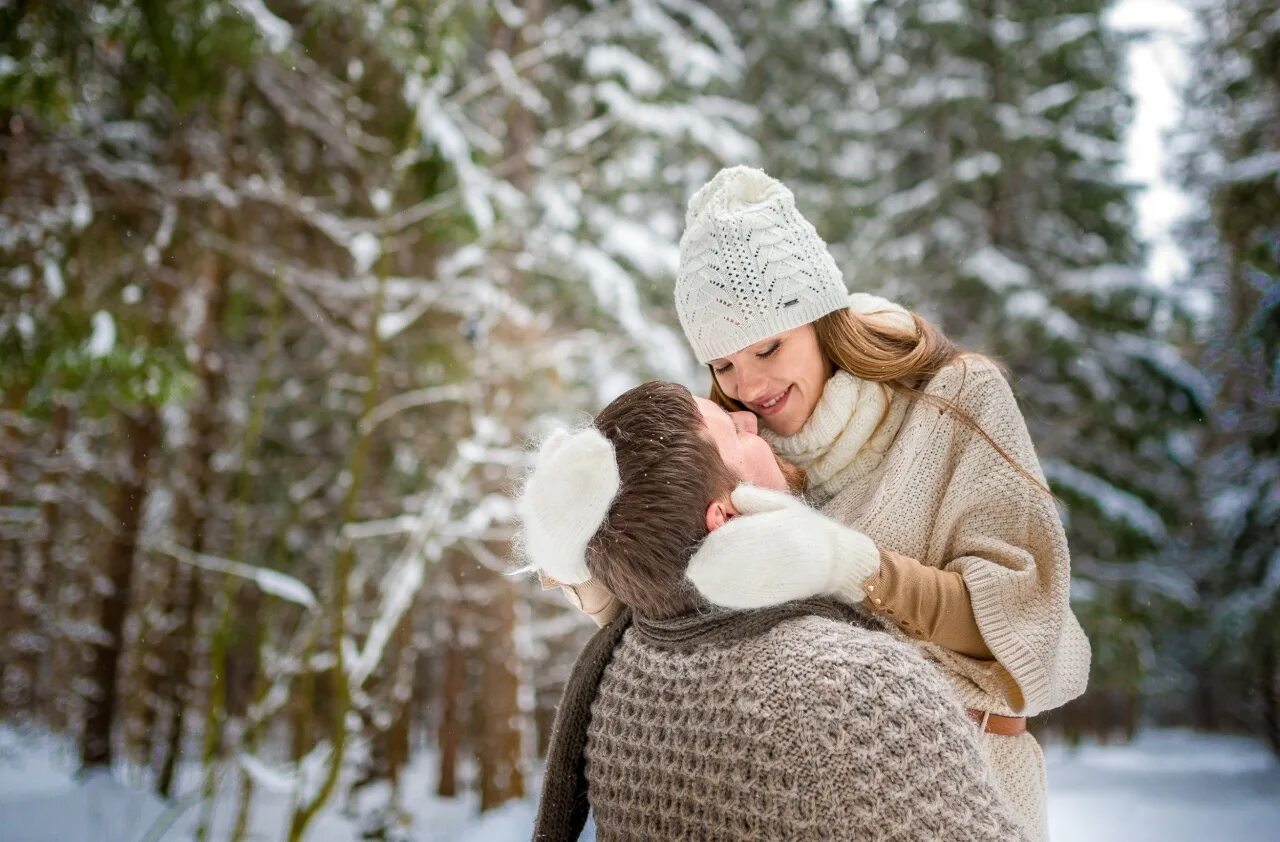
(11,568)
(402,703)
(178,686)
(1269,690)
(206,422)
(502,740)
(9,578)
(452,686)
(340,689)
(142,432)
(54,670)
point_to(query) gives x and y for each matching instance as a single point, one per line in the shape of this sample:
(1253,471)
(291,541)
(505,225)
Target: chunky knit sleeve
(1001,531)
(884,749)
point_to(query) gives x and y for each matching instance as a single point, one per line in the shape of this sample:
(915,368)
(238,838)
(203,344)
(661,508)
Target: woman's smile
(772,405)
(780,378)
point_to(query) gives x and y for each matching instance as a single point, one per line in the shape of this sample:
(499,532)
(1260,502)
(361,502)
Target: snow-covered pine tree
(1230,161)
(817,111)
(1000,211)
(569,136)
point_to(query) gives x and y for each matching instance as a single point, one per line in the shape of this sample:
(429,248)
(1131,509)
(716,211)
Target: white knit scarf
(847,436)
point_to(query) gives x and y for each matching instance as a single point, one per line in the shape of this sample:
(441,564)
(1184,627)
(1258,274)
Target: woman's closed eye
(762,355)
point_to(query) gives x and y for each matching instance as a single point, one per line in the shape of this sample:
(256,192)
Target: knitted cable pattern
(815,729)
(944,496)
(751,266)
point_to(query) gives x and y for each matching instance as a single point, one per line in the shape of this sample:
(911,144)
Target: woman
(912,447)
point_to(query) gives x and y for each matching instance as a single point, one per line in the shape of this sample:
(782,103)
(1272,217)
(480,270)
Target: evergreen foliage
(289,287)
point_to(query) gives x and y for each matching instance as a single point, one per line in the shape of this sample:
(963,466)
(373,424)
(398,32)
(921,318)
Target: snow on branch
(402,581)
(996,269)
(267,776)
(440,130)
(515,84)
(605,60)
(1064,31)
(673,121)
(693,61)
(1251,604)
(710,24)
(300,103)
(272,582)
(407,400)
(1264,166)
(1165,360)
(1051,97)
(1112,502)
(276,32)
(555,44)
(616,293)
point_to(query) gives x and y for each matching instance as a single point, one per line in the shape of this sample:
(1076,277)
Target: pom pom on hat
(565,501)
(735,189)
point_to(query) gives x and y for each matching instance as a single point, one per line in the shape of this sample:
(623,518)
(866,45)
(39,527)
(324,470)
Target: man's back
(816,729)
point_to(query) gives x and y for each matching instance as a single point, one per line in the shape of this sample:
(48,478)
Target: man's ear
(718,514)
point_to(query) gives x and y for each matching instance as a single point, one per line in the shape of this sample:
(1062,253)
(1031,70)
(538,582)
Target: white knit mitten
(778,550)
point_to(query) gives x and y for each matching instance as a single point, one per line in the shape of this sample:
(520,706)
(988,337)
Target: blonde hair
(885,351)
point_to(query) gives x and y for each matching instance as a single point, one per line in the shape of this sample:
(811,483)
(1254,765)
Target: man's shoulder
(817,656)
(822,635)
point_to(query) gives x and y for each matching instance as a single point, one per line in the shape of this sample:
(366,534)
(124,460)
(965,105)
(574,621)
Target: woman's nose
(751,386)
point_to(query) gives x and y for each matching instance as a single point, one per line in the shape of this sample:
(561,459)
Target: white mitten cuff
(857,559)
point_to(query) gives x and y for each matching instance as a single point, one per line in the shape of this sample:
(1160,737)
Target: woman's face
(780,379)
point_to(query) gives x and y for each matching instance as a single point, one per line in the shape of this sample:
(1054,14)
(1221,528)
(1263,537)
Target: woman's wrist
(927,604)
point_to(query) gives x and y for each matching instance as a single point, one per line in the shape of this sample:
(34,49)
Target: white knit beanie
(750,265)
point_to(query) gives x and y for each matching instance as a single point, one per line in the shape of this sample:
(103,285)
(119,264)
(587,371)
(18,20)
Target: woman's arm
(999,528)
(926,603)
(780,549)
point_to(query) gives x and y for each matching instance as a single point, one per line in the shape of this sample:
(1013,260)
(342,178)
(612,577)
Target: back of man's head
(669,470)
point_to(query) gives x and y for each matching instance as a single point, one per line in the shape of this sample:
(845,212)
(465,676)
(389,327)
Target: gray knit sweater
(816,729)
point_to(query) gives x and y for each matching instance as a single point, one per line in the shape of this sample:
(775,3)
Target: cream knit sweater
(936,491)
(923,484)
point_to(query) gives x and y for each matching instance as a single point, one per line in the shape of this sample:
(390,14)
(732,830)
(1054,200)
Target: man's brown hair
(669,470)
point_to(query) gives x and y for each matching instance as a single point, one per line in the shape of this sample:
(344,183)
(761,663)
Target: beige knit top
(816,729)
(927,487)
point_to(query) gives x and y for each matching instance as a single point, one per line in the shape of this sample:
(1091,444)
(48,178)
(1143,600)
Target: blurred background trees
(289,287)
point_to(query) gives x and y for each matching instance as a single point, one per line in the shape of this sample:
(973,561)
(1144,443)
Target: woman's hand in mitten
(778,549)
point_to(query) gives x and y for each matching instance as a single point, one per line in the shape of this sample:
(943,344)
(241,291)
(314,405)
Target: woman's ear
(719,513)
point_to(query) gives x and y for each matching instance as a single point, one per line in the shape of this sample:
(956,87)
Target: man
(750,459)
(683,721)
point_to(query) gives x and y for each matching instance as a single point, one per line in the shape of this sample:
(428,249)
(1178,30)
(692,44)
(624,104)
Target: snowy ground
(1168,785)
